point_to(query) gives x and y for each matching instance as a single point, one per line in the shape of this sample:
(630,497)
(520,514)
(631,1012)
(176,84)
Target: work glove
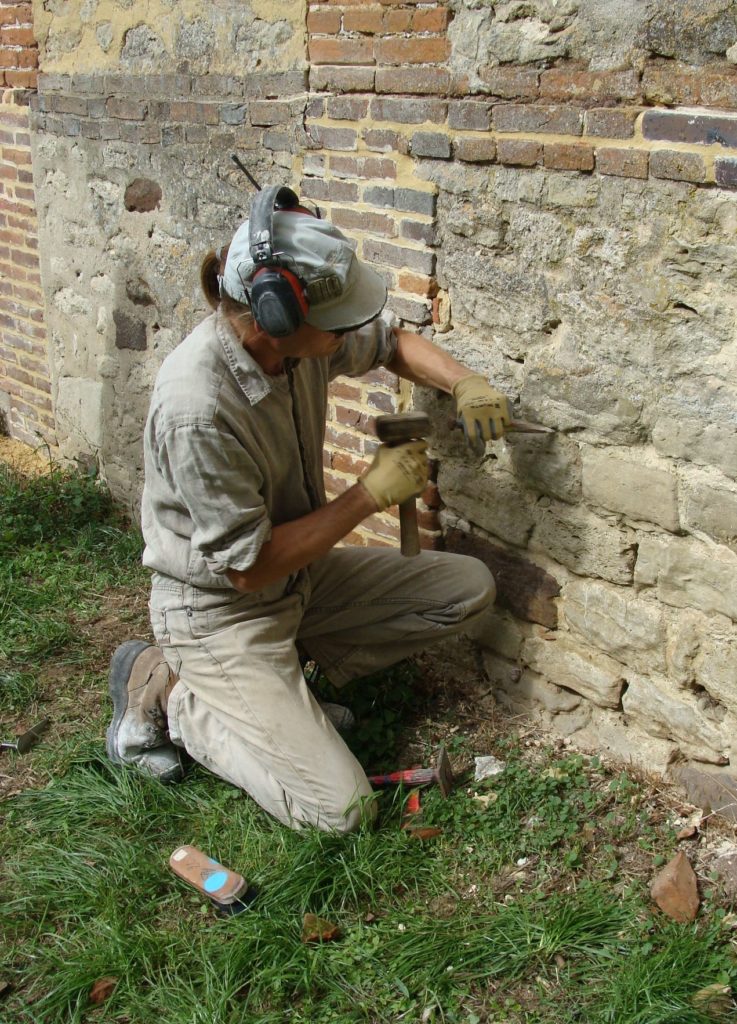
(398,472)
(482,410)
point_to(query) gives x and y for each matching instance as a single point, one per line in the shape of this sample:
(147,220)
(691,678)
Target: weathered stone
(578,668)
(622,742)
(714,789)
(522,587)
(531,688)
(551,463)
(716,665)
(129,332)
(499,632)
(584,543)
(685,632)
(674,716)
(492,500)
(688,574)
(79,412)
(675,890)
(623,482)
(709,505)
(615,620)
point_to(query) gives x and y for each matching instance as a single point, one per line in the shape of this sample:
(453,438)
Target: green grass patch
(530,906)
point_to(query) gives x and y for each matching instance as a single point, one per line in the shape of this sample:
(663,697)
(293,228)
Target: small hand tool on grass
(228,891)
(441,774)
(406,426)
(28,739)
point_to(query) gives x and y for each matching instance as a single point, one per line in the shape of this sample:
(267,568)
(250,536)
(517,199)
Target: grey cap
(342,291)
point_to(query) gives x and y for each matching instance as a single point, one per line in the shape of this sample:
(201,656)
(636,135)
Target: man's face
(308,342)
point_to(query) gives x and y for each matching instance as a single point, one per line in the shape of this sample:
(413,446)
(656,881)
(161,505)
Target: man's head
(291,267)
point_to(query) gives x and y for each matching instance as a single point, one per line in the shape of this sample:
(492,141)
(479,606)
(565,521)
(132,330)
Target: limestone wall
(549,190)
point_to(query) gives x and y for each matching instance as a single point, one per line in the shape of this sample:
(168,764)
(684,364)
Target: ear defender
(277,296)
(278,301)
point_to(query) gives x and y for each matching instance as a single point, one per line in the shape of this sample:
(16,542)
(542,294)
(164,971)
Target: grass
(531,905)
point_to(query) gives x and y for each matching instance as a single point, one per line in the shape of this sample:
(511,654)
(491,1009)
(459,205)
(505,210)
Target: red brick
(475,151)
(11,35)
(398,21)
(667,163)
(364,167)
(132,110)
(342,79)
(335,191)
(366,19)
(415,50)
(347,108)
(422,81)
(512,83)
(611,122)
(342,439)
(385,141)
(671,84)
(519,152)
(555,119)
(334,138)
(408,111)
(562,156)
(324,22)
(589,86)
(418,284)
(342,389)
(341,462)
(359,220)
(381,401)
(15,14)
(433,19)
(341,51)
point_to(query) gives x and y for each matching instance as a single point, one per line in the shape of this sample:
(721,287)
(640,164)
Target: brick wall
(25,401)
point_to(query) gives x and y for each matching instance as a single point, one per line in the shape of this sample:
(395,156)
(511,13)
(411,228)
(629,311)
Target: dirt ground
(19,456)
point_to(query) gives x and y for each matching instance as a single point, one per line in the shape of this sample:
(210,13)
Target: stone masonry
(550,190)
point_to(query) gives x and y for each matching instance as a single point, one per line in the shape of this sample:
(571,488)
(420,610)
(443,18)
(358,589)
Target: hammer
(392,430)
(442,773)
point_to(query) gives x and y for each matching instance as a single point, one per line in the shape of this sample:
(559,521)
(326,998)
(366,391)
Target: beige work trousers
(242,707)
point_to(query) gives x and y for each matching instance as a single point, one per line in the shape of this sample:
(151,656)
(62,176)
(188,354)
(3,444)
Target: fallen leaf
(714,999)
(317,929)
(687,833)
(675,890)
(424,833)
(102,989)
(370,918)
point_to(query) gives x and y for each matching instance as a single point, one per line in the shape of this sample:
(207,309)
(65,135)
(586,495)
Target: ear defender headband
(278,297)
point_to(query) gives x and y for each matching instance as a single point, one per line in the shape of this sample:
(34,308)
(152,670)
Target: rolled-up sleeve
(372,345)
(219,486)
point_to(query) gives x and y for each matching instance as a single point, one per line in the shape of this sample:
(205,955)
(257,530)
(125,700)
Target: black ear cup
(278,302)
(277,296)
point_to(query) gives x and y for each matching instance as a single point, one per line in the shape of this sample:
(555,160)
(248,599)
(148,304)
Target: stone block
(531,688)
(565,156)
(519,152)
(469,115)
(680,433)
(624,743)
(492,500)
(615,620)
(410,200)
(674,715)
(408,111)
(689,574)
(80,411)
(500,632)
(567,663)
(583,542)
(548,463)
(725,172)
(611,122)
(716,666)
(713,789)
(709,505)
(475,151)
(628,482)
(521,586)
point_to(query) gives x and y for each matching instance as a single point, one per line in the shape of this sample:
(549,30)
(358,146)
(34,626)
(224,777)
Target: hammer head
(404,426)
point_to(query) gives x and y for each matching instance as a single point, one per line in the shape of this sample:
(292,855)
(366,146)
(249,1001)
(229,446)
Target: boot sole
(121,666)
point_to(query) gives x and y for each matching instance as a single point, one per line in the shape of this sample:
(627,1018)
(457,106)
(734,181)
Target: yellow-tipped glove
(397,473)
(482,410)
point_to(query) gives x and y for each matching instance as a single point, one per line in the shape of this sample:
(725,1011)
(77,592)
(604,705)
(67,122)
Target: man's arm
(421,362)
(296,544)
(396,473)
(483,411)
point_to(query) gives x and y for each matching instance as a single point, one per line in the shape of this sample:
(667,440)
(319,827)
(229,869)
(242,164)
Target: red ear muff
(278,301)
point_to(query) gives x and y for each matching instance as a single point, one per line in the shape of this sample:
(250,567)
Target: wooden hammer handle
(408,530)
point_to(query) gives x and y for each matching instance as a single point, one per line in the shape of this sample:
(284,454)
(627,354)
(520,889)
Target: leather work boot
(140,684)
(342,718)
